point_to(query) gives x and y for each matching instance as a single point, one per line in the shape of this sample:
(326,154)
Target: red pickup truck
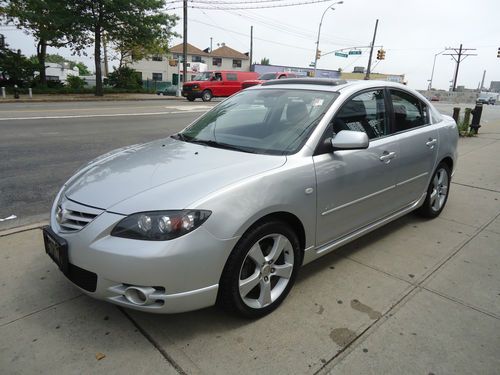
(266,77)
(211,84)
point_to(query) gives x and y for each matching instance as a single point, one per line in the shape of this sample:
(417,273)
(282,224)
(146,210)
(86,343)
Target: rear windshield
(265,121)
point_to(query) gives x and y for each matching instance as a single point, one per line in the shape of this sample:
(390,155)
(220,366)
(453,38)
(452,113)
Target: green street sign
(340,54)
(355,52)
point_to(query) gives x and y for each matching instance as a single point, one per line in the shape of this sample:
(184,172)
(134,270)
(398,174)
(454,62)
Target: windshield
(205,76)
(266,121)
(267,76)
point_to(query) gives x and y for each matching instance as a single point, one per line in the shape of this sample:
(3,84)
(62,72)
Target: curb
(23,228)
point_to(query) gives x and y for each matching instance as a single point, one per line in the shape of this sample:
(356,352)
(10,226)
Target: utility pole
(482,81)
(459,54)
(251,47)
(184,44)
(211,44)
(368,69)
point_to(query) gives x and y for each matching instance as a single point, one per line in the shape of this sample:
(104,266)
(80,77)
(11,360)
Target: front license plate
(57,248)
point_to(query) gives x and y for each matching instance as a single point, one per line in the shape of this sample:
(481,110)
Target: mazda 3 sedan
(226,211)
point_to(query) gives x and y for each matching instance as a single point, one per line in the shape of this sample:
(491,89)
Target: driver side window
(365,113)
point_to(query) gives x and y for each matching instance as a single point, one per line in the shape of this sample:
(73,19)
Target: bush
(125,78)
(75,82)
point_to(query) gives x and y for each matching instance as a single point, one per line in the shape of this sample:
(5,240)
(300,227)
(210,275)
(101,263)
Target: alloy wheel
(439,189)
(266,271)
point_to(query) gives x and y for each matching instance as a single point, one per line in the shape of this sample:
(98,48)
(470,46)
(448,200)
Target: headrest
(353,110)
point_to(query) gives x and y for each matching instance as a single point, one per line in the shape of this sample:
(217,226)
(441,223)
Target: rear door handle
(431,143)
(387,156)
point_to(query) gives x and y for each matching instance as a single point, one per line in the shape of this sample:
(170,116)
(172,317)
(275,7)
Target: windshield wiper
(212,143)
(179,136)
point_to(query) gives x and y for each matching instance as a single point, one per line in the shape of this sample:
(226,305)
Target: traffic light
(318,54)
(380,54)
(498,53)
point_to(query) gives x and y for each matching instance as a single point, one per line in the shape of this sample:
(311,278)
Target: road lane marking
(98,108)
(11,217)
(98,115)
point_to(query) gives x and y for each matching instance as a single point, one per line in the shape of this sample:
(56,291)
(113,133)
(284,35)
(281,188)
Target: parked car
(227,210)
(211,84)
(266,77)
(487,98)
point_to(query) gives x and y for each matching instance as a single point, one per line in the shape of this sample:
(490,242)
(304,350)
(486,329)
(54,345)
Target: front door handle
(387,156)
(431,143)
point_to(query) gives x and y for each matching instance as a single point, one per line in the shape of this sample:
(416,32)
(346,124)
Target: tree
(75,82)
(48,21)
(126,23)
(83,69)
(264,61)
(125,78)
(15,68)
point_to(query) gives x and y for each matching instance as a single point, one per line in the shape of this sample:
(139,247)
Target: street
(42,144)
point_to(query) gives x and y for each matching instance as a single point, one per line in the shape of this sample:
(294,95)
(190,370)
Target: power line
(203,6)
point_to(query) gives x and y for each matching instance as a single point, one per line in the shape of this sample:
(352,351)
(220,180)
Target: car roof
(334,85)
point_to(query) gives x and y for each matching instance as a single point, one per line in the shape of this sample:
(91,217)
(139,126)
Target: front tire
(261,270)
(191,98)
(206,95)
(437,192)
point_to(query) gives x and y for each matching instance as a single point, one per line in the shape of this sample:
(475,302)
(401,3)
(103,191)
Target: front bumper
(194,93)
(184,272)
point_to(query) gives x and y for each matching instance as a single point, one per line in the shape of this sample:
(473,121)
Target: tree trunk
(97,60)
(41,53)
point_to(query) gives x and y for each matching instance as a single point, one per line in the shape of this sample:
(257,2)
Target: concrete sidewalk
(415,297)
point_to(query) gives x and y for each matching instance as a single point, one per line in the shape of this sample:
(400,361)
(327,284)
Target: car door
(418,140)
(355,187)
(231,84)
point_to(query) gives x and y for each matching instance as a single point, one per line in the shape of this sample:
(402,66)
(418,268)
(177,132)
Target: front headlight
(160,225)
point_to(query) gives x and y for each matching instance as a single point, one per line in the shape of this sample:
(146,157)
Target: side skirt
(313,253)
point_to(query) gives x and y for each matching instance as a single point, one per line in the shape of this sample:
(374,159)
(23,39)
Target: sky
(411,33)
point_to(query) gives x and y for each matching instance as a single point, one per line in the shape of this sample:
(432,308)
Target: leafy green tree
(50,22)
(125,78)
(264,61)
(125,23)
(15,69)
(75,82)
(83,69)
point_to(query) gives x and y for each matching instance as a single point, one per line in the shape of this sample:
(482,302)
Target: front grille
(187,88)
(72,216)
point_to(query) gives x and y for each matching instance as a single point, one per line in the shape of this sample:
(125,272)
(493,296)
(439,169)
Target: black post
(456,114)
(476,117)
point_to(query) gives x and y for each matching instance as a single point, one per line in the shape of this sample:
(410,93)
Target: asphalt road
(42,144)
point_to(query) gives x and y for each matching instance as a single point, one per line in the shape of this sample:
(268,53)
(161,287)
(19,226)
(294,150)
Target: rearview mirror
(350,140)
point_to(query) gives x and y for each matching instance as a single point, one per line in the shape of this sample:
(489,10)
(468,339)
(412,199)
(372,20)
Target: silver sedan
(227,210)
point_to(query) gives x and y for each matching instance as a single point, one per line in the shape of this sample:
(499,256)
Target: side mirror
(350,140)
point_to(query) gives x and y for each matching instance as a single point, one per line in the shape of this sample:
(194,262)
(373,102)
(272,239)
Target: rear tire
(261,270)
(206,95)
(437,192)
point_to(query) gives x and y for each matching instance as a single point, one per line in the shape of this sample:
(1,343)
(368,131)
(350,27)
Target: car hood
(164,174)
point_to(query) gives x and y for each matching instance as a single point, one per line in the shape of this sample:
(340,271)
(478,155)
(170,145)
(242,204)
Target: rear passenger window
(366,113)
(409,112)
(232,77)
